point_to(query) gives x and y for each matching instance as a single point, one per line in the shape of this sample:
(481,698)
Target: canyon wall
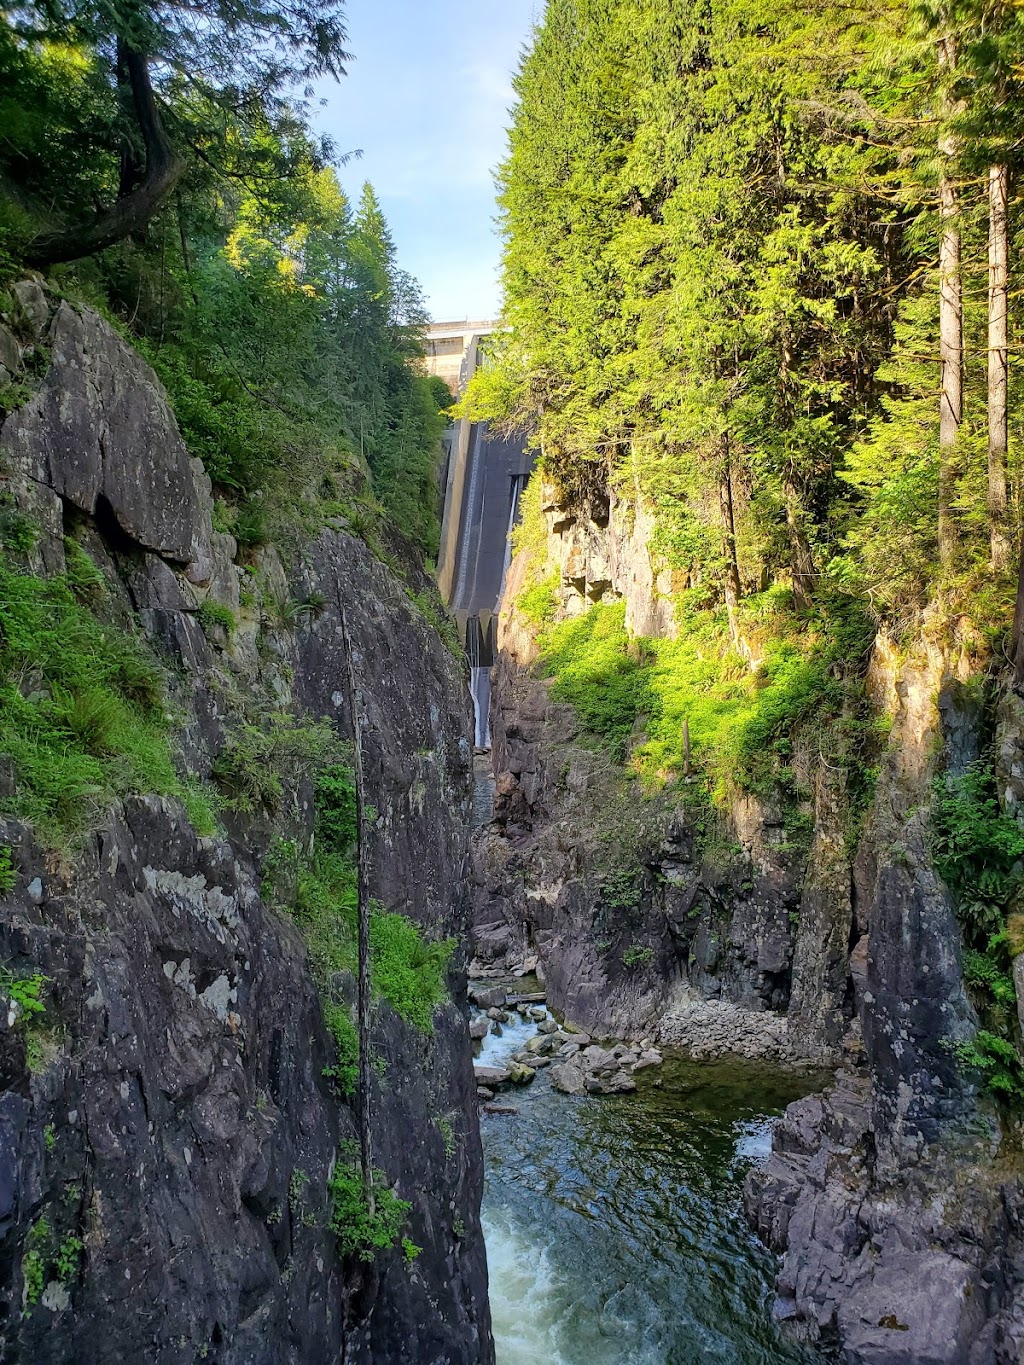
(166,1150)
(894,1198)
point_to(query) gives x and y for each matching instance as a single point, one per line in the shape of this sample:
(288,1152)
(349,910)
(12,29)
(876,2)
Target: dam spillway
(484,477)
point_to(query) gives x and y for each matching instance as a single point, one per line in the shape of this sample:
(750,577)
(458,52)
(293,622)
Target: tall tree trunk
(998,361)
(951,325)
(133,210)
(363,902)
(732,568)
(800,556)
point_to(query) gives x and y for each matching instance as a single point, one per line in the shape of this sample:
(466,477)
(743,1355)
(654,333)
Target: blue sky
(427,100)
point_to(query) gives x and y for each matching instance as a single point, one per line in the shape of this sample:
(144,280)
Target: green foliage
(261,763)
(410,1250)
(999,1064)
(83,577)
(741,722)
(82,712)
(273,309)
(977,848)
(539,602)
(636,955)
(25,991)
(444,1127)
(407,970)
(430,606)
(360,1232)
(18,532)
(8,874)
(597,671)
(216,615)
(622,889)
(46,1256)
(318,886)
(345,1070)
(978,851)
(720,284)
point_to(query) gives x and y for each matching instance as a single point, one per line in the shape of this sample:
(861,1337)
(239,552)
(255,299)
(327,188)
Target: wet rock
(541,1045)
(519,1074)
(568,1079)
(547,1026)
(612,1083)
(490,1075)
(479,1028)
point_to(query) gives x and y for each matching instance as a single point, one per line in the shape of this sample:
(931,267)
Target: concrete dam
(483,477)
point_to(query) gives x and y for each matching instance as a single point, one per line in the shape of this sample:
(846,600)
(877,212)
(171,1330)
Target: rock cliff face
(896,1208)
(167,1157)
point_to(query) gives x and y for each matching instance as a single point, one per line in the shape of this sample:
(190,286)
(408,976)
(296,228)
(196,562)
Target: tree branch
(132,211)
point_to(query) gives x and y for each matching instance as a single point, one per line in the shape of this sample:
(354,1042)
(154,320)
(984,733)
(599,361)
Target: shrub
(622,889)
(636,955)
(83,577)
(538,603)
(260,761)
(215,615)
(360,1232)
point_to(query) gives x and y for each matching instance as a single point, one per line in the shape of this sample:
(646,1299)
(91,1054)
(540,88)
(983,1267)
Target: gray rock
(568,1079)
(649,1057)
(541,1045)
(610,1083)
(488,997)
(490,1075)
(479,1028)
(10,351)
(100,434)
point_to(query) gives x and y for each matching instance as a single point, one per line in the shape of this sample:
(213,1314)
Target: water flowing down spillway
(614,1229)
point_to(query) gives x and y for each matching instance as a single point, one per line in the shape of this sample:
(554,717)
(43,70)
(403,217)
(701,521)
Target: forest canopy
(159,161)
(756,274)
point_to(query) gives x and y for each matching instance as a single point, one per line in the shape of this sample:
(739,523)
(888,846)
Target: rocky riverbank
(529,1040)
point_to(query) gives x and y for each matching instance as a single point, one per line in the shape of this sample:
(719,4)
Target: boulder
(519,1074)
(610,1083)
(649,1057)
(541,1045)
(488,997)
(479,1028)
(490,1075)
(568,1079)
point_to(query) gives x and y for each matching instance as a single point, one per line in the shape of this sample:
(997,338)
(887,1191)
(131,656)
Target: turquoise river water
(615,1233)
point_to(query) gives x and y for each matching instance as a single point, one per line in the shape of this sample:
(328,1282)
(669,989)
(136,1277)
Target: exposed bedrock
(180,1125)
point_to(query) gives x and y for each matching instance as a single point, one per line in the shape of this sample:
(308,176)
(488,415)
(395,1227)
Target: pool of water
(614,1226)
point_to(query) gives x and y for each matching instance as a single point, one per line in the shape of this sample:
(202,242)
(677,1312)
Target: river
(614,1230)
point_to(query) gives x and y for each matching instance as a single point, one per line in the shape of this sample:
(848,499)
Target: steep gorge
(753,928)
(173,1116)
